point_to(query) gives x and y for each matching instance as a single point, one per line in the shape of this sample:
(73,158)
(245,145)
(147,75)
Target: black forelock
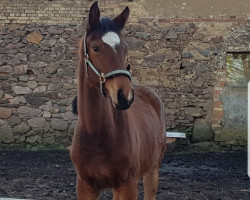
(107,25)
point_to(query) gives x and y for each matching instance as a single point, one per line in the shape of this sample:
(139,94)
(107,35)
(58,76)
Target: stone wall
(38,82)
(182,59)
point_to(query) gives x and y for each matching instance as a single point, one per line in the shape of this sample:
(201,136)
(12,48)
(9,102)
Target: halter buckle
(102,78)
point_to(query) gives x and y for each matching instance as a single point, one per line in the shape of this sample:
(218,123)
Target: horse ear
(121,19)
(94,17)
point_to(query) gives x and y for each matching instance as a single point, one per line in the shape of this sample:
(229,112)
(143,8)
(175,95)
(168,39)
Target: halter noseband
(102,76)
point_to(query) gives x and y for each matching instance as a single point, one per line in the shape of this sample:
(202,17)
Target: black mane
(74,106)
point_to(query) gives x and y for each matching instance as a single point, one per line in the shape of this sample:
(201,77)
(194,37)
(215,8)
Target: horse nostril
(123,101)
(121,97)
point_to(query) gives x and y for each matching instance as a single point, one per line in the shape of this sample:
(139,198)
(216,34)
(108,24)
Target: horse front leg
(127,191)
(85,192)
(150,183)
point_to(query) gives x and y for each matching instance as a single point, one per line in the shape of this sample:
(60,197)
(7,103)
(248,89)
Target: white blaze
(112,39)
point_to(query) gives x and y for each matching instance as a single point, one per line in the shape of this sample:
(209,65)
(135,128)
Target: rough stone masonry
(182,59)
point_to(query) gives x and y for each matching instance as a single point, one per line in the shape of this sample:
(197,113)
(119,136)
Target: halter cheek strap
(102,76)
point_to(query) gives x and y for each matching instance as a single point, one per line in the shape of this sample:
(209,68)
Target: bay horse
(120,134)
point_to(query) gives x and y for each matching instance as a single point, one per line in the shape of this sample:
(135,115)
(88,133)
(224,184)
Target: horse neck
(94,110)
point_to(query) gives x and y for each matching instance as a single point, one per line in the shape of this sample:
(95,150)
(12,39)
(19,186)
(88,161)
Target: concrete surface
(197,8)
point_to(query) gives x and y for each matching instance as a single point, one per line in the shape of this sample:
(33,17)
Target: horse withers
(120,134)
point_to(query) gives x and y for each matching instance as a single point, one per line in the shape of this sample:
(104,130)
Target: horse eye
(95,48)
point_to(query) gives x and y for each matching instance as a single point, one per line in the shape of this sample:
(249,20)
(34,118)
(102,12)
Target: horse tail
(74,106)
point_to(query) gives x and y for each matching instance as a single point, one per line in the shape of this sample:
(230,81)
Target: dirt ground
(49,175)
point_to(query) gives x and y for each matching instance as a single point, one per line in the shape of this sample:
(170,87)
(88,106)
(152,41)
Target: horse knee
(126,191)
(85,192)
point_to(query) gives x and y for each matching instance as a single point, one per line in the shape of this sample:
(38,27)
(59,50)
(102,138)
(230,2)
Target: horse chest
(99,164)
(101,171)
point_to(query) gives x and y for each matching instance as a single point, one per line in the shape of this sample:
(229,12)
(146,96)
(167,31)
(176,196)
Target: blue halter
(102,76)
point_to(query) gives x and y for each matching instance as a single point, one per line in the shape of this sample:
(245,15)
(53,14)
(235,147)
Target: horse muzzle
(123,101)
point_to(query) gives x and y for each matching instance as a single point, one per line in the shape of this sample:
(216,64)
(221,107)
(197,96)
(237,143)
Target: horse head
(105,57)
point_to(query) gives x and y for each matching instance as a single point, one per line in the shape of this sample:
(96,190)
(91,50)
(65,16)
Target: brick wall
(57,12)
(182,59)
